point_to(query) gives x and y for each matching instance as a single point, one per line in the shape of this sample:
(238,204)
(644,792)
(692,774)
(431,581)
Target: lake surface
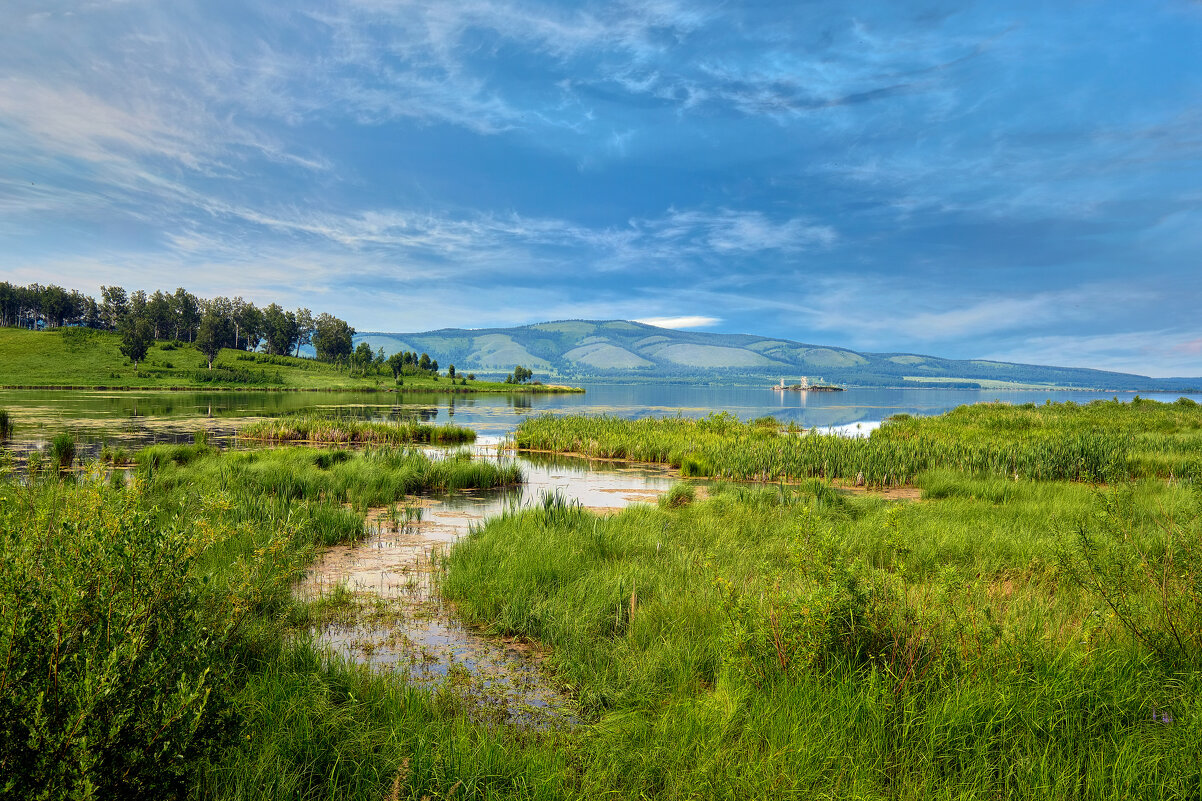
(142,417)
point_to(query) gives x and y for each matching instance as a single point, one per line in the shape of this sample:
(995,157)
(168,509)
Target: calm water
(164,416)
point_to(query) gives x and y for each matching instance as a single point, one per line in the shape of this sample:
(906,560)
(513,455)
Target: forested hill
(617,349)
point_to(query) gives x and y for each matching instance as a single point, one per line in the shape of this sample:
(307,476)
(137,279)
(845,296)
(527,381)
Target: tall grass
(374,477)
(328,430)
(6,424)
(794,642)
(1102,440)
(62,451)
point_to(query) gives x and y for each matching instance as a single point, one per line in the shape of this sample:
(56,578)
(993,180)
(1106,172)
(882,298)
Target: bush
(110,668)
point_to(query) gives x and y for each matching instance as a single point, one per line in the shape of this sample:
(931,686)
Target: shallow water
(406,625)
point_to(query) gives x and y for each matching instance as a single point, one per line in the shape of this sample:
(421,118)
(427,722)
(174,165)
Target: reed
(1099,441)
(327,430)
(6,424)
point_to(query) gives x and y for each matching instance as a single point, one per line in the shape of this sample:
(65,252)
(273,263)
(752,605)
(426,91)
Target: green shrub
(111,666)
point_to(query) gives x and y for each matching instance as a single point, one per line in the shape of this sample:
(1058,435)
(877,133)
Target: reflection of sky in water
(139,418)
(419,636)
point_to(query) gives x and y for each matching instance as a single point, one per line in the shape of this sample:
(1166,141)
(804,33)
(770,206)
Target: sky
(1005,180)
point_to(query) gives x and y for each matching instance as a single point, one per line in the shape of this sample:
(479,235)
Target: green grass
(150,648)
(327,430)
(999,638)
(1101,440)
(322,478)
(87,358)
(793,642)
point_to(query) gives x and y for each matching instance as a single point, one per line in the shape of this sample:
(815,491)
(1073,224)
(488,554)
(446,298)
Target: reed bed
(372,477)
(1099,441)
(327,430)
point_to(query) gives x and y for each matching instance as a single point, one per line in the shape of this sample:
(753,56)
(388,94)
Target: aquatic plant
(329,430)
(1099,441)
(62,451)
(6,424)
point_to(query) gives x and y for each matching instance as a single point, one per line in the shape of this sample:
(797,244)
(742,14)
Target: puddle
(405,626)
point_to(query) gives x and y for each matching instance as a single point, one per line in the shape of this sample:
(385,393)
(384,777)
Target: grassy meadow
(1030,627)
(79,357)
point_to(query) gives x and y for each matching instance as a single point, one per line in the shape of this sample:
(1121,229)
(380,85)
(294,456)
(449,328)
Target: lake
(166,416)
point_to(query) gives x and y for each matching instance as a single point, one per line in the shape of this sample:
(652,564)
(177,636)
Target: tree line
(210,323)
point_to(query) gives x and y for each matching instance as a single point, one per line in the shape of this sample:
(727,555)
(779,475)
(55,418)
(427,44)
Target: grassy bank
(798,643)
(84,358)
(1104,440)
(153,647)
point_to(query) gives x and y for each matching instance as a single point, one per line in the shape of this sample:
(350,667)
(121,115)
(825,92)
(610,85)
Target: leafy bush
(111,662)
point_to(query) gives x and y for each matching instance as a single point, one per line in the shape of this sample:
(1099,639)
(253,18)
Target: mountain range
(630,351)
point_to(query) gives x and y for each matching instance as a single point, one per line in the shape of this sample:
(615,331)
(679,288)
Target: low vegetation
(997,640)
(1016,633)
(1104,440)
(154,648)
(327,430)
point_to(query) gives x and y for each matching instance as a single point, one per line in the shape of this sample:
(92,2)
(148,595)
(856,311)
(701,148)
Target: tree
(396,363)
(57,305)
(115,305)
(362,357)
(520,375)
(186,311)
(249,321)
(212,334)
(304,329)
(279,329)
(158,311)
(332,338)
(451,371)
(424,362)
(136,338)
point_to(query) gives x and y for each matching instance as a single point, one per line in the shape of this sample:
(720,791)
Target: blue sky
(1017,180)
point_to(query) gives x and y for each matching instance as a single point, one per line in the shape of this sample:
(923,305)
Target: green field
(76,357)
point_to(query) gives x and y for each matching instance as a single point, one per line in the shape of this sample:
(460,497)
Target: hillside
(623,350)
(81,357)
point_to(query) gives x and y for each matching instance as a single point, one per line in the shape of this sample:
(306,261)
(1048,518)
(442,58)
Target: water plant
(1104,440)
(6,424)
(329,430)
(62,451)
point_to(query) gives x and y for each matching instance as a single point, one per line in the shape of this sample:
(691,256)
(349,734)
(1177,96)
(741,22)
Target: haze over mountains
(624,350)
